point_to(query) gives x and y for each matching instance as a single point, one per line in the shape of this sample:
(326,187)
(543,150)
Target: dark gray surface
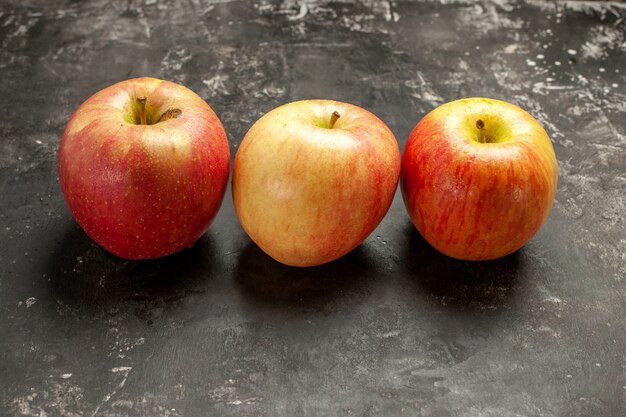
(392,329)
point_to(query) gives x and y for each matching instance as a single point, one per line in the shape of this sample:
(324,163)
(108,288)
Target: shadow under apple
(270,283)
(457,284)
(84,276)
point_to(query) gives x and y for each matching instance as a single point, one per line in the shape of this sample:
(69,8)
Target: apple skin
(473,200)
(144,191)
(307,193)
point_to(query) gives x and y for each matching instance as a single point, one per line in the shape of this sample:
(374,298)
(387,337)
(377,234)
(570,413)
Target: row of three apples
(143,166)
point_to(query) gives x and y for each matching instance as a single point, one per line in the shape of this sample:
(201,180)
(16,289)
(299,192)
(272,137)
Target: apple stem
(142,109)
(480,125)
(333,118)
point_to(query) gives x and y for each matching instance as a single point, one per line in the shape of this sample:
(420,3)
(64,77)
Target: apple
(313,178)
(478,178)
(143,165)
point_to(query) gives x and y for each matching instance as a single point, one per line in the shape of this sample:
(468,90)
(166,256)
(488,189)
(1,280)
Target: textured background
(392,329)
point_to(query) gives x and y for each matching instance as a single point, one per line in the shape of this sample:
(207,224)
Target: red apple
(312,179)
(478,178)
(143,166)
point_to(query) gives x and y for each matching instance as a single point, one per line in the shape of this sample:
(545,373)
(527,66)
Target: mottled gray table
(392,329)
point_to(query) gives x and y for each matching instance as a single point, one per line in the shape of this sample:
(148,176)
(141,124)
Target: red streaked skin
(308,194)
(472,200)
(144,191)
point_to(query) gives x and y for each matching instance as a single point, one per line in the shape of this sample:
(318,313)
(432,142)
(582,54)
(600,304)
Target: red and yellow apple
(313,178)
(143,166)
(478,178)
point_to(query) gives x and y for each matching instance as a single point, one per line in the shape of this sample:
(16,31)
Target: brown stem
(333,118)
(142,109)
(480,125)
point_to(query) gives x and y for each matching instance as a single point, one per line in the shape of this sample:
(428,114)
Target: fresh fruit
(143,166)
(478,178)
(312,179)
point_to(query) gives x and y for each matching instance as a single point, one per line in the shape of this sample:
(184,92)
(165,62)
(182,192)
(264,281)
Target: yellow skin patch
(113,115)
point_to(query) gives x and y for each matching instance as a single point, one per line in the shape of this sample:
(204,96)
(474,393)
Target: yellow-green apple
(313,178)
(143,166)
(478,178)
